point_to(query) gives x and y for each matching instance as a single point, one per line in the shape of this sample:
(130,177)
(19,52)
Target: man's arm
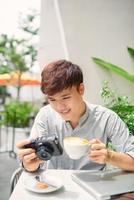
(100,154)
(121,160)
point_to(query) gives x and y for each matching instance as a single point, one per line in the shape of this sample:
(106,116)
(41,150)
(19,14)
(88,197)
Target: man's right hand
(28,156)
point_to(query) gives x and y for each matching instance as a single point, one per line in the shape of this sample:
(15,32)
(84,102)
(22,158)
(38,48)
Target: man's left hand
(98,152)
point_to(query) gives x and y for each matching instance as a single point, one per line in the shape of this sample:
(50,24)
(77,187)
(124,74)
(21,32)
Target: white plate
(30,184)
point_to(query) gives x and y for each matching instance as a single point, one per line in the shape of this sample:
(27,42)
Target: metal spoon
(41,179)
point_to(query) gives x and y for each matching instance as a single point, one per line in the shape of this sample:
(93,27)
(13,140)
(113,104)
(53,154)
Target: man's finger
(22,143)
(98,146)
(22,153)
(29,157)
(94,141)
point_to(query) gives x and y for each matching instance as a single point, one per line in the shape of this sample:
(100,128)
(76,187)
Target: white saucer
(30,184)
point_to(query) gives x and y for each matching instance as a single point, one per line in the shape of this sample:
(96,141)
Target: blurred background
(20,95)
(96,35)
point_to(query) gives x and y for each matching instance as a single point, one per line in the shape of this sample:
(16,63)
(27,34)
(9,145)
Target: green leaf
(114,68)
(131,51)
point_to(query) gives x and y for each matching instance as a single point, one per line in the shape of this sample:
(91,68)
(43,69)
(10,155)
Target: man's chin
(65,117)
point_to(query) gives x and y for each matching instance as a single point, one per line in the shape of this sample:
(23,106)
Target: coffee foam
(77,140)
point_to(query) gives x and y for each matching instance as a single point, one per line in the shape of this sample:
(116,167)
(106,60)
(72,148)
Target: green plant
(17,114)
(118,70)
(119,104)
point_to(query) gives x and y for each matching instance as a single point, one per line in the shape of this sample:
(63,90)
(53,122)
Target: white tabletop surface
(69,191)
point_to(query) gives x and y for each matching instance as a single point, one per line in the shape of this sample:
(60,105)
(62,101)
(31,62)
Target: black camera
(46,147)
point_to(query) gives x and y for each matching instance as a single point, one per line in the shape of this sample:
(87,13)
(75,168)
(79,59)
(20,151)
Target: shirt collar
(84,117)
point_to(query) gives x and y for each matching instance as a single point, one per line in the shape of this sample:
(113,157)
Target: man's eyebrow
(64,95)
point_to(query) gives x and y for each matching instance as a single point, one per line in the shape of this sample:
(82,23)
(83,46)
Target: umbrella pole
(18,92)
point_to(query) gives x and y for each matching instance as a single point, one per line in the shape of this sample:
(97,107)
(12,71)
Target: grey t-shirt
(97,122)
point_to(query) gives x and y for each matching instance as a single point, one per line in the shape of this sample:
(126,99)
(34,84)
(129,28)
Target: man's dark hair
(60,75)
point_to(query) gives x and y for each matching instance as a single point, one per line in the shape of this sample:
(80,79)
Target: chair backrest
(14,178)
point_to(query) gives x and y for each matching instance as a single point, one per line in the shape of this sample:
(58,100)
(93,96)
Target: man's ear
(81,88)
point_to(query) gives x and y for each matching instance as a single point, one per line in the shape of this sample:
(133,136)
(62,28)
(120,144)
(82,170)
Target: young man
(69,115)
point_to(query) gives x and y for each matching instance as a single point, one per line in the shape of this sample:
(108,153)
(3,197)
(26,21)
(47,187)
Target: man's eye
(66,97)
(51,99)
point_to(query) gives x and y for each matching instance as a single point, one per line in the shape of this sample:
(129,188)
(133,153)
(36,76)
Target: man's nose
(60,106)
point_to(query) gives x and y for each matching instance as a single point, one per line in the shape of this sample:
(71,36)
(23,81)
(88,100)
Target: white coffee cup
(76,147)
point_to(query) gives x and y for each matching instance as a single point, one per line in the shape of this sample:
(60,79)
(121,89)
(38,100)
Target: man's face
(68,103)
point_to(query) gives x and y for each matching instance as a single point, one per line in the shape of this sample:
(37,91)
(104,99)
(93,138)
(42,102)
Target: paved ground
(7,167)
(8,164)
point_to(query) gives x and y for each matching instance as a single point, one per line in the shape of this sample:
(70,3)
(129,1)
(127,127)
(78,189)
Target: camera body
(46,147)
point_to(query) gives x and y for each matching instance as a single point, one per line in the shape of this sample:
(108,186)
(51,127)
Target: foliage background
(120,104)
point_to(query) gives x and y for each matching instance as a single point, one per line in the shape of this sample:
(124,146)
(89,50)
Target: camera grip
(30,145)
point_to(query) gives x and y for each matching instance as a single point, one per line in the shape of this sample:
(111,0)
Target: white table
(70,190)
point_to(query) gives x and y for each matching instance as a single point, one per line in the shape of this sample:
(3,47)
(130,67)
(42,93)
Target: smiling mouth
(65,112)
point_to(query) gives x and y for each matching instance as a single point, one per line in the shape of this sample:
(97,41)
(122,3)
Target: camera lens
(44,153)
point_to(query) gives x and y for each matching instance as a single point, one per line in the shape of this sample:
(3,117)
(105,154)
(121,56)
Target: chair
(14,178)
